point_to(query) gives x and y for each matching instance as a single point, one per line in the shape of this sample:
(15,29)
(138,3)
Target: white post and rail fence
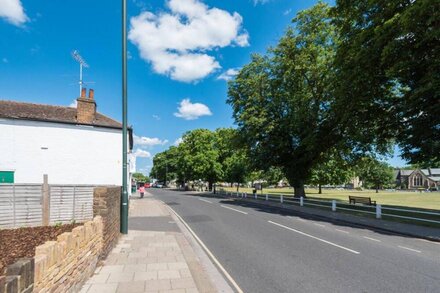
(378,211)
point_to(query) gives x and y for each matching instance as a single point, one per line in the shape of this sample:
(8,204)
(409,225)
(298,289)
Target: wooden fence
(23,205)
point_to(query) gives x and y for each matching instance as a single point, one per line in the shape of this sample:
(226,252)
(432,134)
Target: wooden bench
(362,200)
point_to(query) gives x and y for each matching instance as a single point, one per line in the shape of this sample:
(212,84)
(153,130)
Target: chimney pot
(91,94)
(83,92)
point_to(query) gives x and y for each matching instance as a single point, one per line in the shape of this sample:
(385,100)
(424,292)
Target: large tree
(335,169)
(388,66)
(375,174)
(282,102)
(198,156)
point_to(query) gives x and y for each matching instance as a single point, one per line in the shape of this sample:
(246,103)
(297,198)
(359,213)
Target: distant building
(71,145)
(419,178)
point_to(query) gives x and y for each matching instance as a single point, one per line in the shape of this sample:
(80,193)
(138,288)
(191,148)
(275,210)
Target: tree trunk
(377,188)
(299,190)
(238,187)
(210,183)
(320,189)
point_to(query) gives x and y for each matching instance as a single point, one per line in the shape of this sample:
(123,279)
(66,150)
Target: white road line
(320,225)
(205,200)
(410,249)
(226,207)
(296,218)
(210,254)
(429,241)
(372,239)
(316,238)
(342,231)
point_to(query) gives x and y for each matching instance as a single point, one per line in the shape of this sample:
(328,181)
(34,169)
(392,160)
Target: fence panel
(68,203)
(20,205)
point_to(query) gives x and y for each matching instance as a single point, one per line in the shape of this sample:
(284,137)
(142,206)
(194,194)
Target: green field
(426,200)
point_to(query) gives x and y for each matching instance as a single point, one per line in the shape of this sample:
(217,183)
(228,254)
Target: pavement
(158,254)
(267,249)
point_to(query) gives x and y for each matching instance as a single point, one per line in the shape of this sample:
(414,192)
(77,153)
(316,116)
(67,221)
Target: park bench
(362,200)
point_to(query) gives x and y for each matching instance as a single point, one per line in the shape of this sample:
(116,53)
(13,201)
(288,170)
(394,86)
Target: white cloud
(141,154)
(148,141)
(13,12)
(287,12)
(192,111)
(157,117)
(256,2)
(228,74)
(73,104)
(176,42)
(178,141)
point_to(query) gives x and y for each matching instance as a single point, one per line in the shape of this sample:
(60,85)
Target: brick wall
(107,204)
(65,265)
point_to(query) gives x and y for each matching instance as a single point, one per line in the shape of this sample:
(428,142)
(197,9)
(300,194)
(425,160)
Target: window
(417,180)
(6,176)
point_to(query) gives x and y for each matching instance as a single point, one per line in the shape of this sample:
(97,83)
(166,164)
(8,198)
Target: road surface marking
(429,241)
(210,254)
(343,231)
(410,249)
(372,239)
(320,225)
(205,200)
(226,207)
(296,218)
(316,238)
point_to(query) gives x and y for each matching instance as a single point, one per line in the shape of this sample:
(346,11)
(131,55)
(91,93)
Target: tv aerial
(82,63)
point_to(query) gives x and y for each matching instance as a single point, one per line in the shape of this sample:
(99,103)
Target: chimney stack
(86,108)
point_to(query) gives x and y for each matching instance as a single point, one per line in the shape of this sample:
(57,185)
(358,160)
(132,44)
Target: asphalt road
(266,250)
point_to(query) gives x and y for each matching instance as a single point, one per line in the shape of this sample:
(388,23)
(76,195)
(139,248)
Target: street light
(124,196)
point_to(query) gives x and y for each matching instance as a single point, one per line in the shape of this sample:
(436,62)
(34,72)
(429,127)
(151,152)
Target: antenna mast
(82,63)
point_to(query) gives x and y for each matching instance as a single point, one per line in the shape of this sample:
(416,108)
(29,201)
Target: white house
(70,145)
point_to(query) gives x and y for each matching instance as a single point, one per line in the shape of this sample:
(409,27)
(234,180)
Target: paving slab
(155,256)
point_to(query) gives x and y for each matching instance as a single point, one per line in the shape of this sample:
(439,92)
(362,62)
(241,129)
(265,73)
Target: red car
(147,185)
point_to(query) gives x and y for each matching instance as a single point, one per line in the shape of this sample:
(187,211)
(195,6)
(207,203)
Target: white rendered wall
(69,154)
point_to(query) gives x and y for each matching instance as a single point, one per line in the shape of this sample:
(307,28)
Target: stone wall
(107,204)
(19,277)
(66,264)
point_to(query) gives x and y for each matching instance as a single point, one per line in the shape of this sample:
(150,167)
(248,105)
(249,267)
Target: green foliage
(374,173)
(273,175)
(388,68)
(139,177)
(282,101)
(334,170)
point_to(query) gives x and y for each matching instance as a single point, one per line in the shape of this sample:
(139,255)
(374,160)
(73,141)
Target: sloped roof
(49,113)
(406,172)
(435,171)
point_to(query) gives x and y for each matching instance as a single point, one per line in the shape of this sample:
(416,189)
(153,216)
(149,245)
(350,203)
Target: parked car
(147,185)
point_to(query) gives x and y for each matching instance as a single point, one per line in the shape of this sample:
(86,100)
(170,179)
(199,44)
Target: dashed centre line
(316,238)
(372,239)
(205,200)
(226,207)
(342,231)
(410,249)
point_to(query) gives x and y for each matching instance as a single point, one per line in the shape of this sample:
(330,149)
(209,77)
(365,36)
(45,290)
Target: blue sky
(180,52)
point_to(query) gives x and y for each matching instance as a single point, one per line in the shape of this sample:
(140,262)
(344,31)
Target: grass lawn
(427,200)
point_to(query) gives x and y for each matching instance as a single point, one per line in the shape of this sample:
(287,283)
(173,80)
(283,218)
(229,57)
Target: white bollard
(255,195)
(245,195)
(281,198)
(301,201)
(378,211)
(267,197)
(334,205)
